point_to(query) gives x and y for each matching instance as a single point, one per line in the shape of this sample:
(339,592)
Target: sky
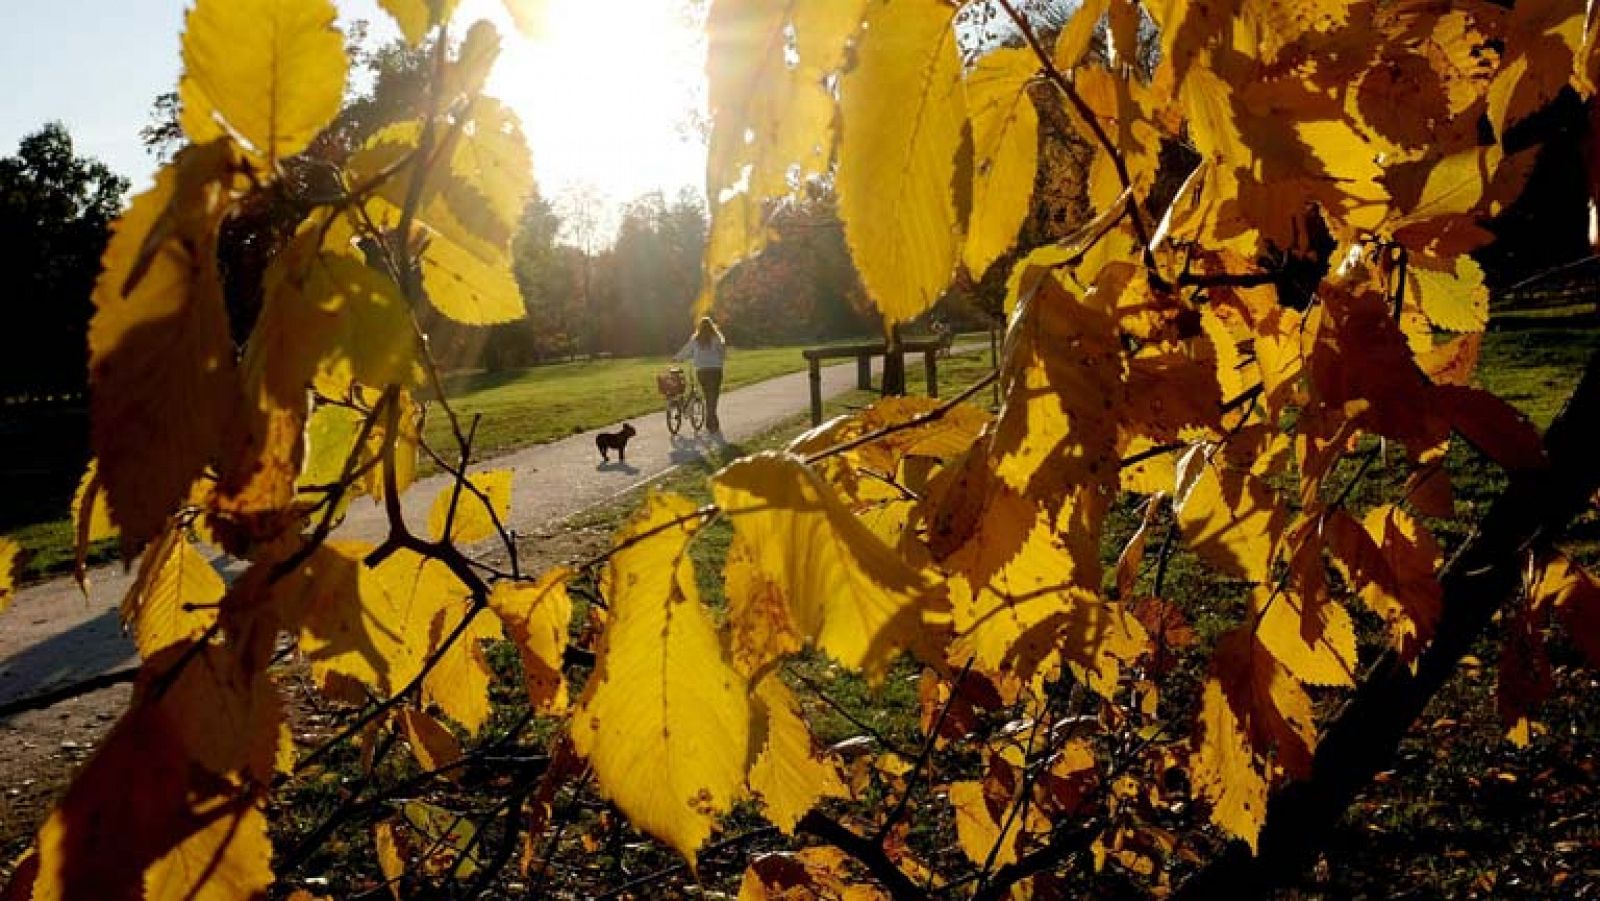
(605,95)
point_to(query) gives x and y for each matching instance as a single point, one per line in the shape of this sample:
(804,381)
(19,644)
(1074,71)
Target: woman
(707,349)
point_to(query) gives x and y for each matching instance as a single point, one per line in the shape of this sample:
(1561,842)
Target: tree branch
(865,851)
(1363,738)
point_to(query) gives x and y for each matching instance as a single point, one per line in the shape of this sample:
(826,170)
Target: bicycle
(683,398)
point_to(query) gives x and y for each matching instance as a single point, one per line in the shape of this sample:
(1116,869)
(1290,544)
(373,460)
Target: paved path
(53,637)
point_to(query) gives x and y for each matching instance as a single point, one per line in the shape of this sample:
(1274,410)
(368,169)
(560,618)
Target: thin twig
(923,419)
(924,756)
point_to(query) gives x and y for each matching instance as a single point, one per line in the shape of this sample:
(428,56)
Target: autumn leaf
(416,17)
(664,719)
(1231,518)
(349,624)
(201,833)
(537,617)
(482,503)
(1574,594)
(1005,141)
(846,591)
(431,742)
(91,521)
(434,606)
(901,112)
(1393,561)
(787,778)
(270,72)
(1493,426)
(770,111)
(1056,434)
(978,827)
(1254,719)
(1314,640)
(161,370)
(10,556)
(175,597)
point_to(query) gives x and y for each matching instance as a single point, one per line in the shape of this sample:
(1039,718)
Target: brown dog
(614,441)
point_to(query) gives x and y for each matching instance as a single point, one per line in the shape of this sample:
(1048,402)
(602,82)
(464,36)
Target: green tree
(55,207)
(656,268)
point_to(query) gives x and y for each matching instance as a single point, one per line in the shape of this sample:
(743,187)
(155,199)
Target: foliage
(1223,366)
(55,210)
(801,287)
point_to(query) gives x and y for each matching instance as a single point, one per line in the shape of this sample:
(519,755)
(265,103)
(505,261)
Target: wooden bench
(894,366)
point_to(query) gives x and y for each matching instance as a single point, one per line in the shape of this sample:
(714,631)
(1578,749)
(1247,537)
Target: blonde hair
(707,330)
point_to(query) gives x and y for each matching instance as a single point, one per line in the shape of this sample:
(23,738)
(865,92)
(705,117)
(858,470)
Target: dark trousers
(711,387)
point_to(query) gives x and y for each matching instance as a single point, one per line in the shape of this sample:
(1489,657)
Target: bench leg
(816,392)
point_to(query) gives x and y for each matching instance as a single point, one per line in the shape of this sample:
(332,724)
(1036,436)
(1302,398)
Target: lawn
(541,404)
(41,463)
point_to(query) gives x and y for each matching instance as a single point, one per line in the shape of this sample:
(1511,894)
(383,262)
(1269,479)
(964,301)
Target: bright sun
(607,94)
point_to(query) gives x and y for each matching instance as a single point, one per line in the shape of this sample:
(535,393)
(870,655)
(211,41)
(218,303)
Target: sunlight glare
(608,95)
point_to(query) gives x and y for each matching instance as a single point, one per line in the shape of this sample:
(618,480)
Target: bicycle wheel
(697,411)
(674,416)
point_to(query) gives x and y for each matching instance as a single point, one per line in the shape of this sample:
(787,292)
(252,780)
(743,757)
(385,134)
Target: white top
(705,356)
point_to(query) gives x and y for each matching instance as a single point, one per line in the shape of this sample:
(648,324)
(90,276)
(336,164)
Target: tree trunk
(1363,738)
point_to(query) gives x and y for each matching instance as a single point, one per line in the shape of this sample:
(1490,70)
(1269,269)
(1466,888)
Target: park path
(52,636)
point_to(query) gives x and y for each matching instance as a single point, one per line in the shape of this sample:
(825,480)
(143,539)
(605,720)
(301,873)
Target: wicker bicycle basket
(671,383)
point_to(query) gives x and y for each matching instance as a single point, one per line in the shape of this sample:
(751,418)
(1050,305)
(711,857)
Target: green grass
(546,403)
(517,408)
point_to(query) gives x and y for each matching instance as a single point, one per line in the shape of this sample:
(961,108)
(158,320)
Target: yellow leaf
(1225,770)
(664,719)
(464,218)
(1073,41)
(468,287)
(171,830)
(1232,519)
(1456,301)
(1055,442)
(227,858)
(492,160)
(349,625)
(1574,594)
(787,777)
(390,861)
(91,522)
(1005,150)
(760,628)
(847,592)
(161,370)
(529,16)
(10,552)
(433,604)
(272,70)
(175,597)
(445,837)
(767,69)
(1316,642)
(900,119)
(460,683)
(1254,719)
(473,519)
(536,619)
(415,17)
(1393,560)
(978,827)
(430,741)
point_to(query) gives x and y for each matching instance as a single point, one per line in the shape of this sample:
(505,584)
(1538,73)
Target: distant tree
(803,287)
(656,266)
(55,207)
(550,276)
